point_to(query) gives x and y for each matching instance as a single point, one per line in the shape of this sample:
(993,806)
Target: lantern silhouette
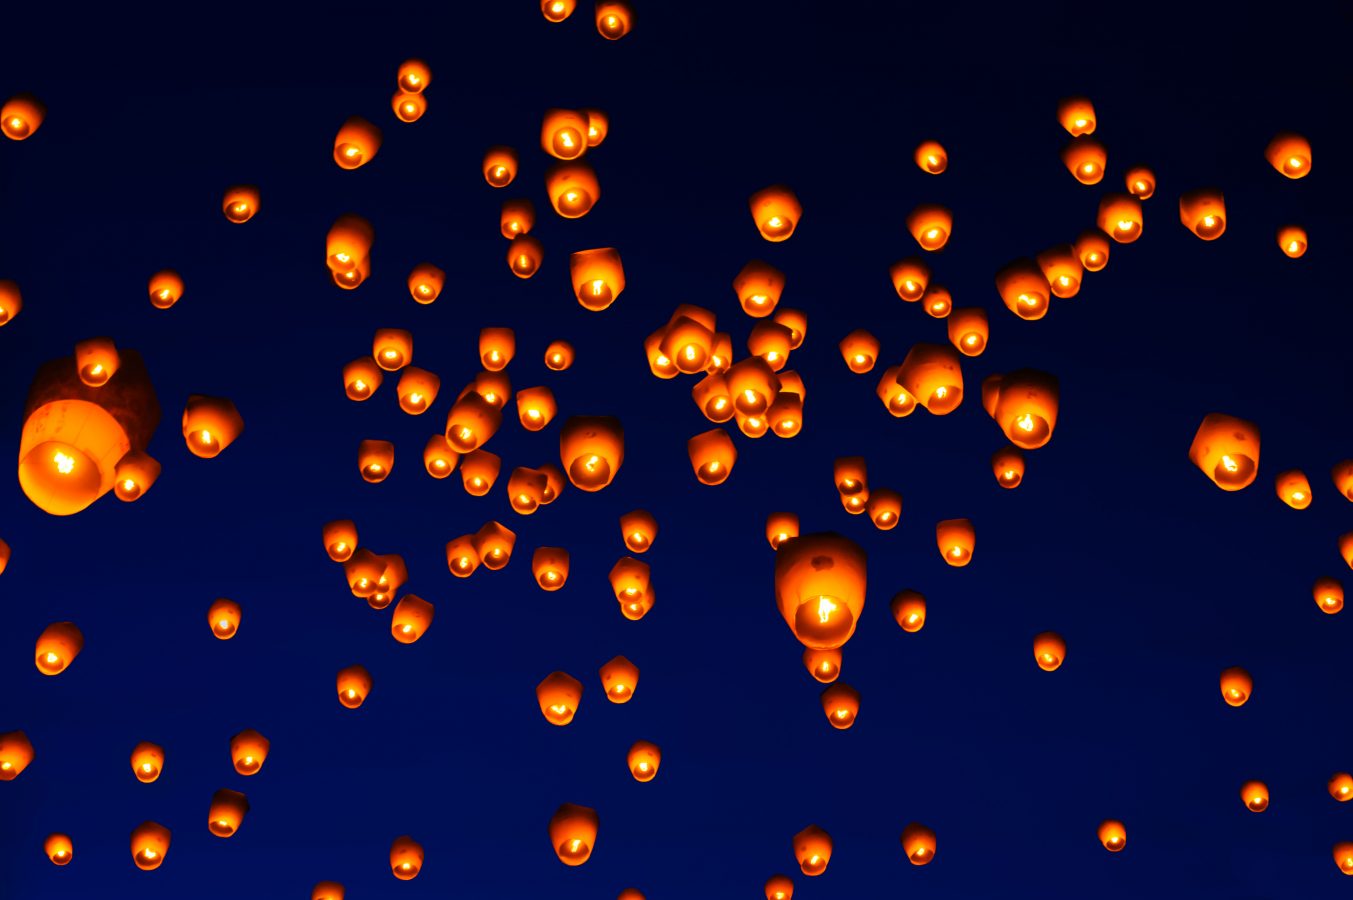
(643,759)
(1007,464)
(462,558)
(780,527)
(356,143)
(478,471)
(328,890)
(1204,213)
(363,570)
(224,618)
(558,356)
(147,761)
(375,459)
(1329,595)
(96,361)
(931,157)
(908,609)
(524,489)
(340,539)
(557,10)
(473,419)
(859,349)
(615,18)
(16,752)
(1140,182)
(573,829)
(1343,856)
(1023,289)
(361,378)
(21,115)
(535,407)
(57,647)
(392,348)
(1340,786)
(712,456)
(1226,449)
(852,482)
(1092,249)
(494,544)
(248,751)
(894,396)
(1049,650)
(776,212)
(956,540)
(598,277)
(59,848)
(759,286)
(933,375)
(1254,794)
(549,565)
(408,107)
(500,166)
(1120,217)
(516,219)
(1293,488)
(573,188)
(1236,686)
(558,696)
(592,449)
(412,618)
(638,528)
(820,588)
(1061,269)
(354,684)
(1342,474)
(210,424)
(968,330)
(11,300)
(841,703)
(563,133)
(417,390)
(910,277)
(524,255)
(772,342)
(918,842)
(1290,154)
(1112,835)
(813,850)
(938,302)
(227,812)
(1024,404)
(779,887)
(619,678)
(1292,241)
(240,203)
(1085,158)
(150,845)
(406,858)
(426,282)
(439,460)
(931,226)
(1077,115)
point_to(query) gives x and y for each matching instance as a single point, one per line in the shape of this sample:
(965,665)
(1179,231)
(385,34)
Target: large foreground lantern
(1226,449)
(150,844)
(1024,404)
(598,277)
(573,833)
(820,588)
(956,539)
(592,449)
(918,842)
(643,759)
(813,850)
(933,375)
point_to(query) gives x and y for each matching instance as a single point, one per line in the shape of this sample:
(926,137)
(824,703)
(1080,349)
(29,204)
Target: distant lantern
(884,508)
(559,695)
(894,396)
(1085,158)
(1254,794)
(354,684)
(375,460)
(16,752)
(461,556)
(823,664)
(573,829)
(776,212)
(478,471)
(859,349)
(1204,213)
(57,647)
(406,858)
(1293,488)
(1292,241)
(938,302)
(563,133)
(414,76)
(356,143)
(1092,248)
(956,539)
(1140,182)
(361,378)
(773,342)
(96,360)
(598,277)
(659,363)
(1343,856)
(497,347)
(535,407)
(918,842)
(841,703)
(910,277)
(328,890)
(524,489)
(931,226)
(549,565)
(909,609)
(227,812)
(363,571)
(796,320)
(59,848)
(426,282)
(1007,464)
(147,761)
(619,678)
(4,556)
(1049,650)
(1329,595)
(1340,786)
(517,218)
(813,850)
(224,618)
(721,352)
(500,166)
(1290,154)
(931,157)
(643,759)
(1345,550)
(630,580)
(412,618)
(615,18)
(598,126)
(1342,474)
(933,375)
(340,539)
(524,255)
(969,330)
(638,528)
(1024,404)
(591,449)
(1077,115)
(1112,835)
(408,107)
(820,588)
(21,115)
(240,203)
(347,246)
(779,887)
(210,424)
(559,356)
(1120,217)
(248,751)
(11,299)
(759,286)
(712,456)
(391,580)
(438,458)
(573,188)
(852,482)
(472,420)
(780,527)
(1226,449)
(150,845)
(494,542)
(417,389)
(1062,269)
(1024,289)
(392,348)
(1236,686)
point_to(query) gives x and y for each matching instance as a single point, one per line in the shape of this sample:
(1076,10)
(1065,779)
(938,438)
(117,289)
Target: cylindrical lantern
(1077,115)
(1024,404)
(494,387)
(573,188)
(592,449)
(57,647)
(1112,835)
(918,842)
(1204,213)
(59,848)
(796,320)
(406,858)
(473,419)
(573,829)
(354,684)
(1329,595)
(776,212)
(894,396)
(497,346)
(772,342)
(956,540)
(1226,449)
(909,609)
(759,286)
(16,752)
(1140,182)
(841,703)
(361,378)
(549,565)
(1049,650)
(210,424)
(619,678)
(884,508)
(348,244)
(780,527)
(224,618)
(535,407)
(96,360)
(340,539)
(931,226)
(824,665)
(752,385)
(426,282)
(910,277)
(1007,464)
(517,218)
(779,887)
(1345,550)
(931,157)
(461,556)
(408,107)
(558,356)
(643,759)
(147,761)
(859,349)
(933,375)
(813,850)
(248,751)
(558,696)
(500,166)
(1292,241)
(1092,249)
(1293,488)
(438,458)
(133,476)
(638,528)
(1061,269)
(852,481)
(1023,289)
(21,115)
(150,844)
(598,277)
(478,471)
(820,588)
(356,143)
(494,542)
(630,579)
(1236,686)
(1120,217)
(712,456)
(375,459)
(227,812)
(417,389)
(413,76)
(1290,154)
(240,203)
(1085,158)
(412,618)
(1254,794)
(968,330)
(614,18)
(563,133)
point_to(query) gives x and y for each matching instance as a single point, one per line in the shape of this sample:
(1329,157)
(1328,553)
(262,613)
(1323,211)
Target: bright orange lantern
(753,386)
(1062,270)
(438,458)
(1292,241)
(240,203)
(4,556)
(412,618)
(1085,158)
(1254,794)
(408,107)
(1290,154)
(1120,217)
(1077,115)
(1343,857)
(1342,474)
(956,539)
(563,133)
(1049,650)
(224,618)
(909,609)
(598,126)
(478,471)
(1340,786)
(859,349)
(573,829)
(375,459)
(426,282)
(823,665)
(780,527)
(820,588)
(21,115)
(598,277)
(1345,550)
(354,684)
(852,482)
(1112,835)
(414,76)
(558,356)
(517,218)
(1092,248)
(57,647)
(361,378)
(931,157)
(133,476)
(910,277)
(619,678)
(918,842)
(392,348)
(712,456)
(1024,404)
(461,556)
(549,565)
(573,188)
(347,247)
(813,850)
(1329,595)
(150,844)
(417,389)
(391,580)
(473,419)
(363,570)
(1204,213)
(1293,488)
(968,330)
(227,812)
(328,890)
(535,407)
(248,751)
(494,542)
(16,752)
(938,302)
(1007,464)
(500,166)
(841,703)
(210,424)
(659,363)
(894,396)
(933,375)
(643,759)
(884,508)
(1140,182)
(356,143)
(772,342)
(1023,289)
(11,300)
(524,489)
(630,580)
(559,695)
(96,360)
(340,539)
(59,848)
(147,761)
(1236,686)
(776,212)
(406,858)
(1226,449)
(759,286)
(931,226)
(779,887)
(524,255)
(497,346)
(615,18)
(639,529)
(592,449)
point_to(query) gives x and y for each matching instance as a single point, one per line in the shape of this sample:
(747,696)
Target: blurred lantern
(210,424)
(563,133)
(1343,856)
(224,618)
(328,890)
(643,759)
(598,126)
(417,389)
(631,894)
(497,346)
(1329,595)
(780,527)
(438,458)
(884,508)
(772,342)
(776,212)
(639,529)
(630,579)
(392,348)
(759,286)
(1236,686)
(712,456)
(1140,182)
(841,703)
(96,360)
(1290,154)
(354,684)
(894,396)
(363,570)
(938,302)
(426,282)
(1342,474)
(813,850)
(933,375)
(361,378)
(852,482)
(347,247)
(1292,240)
(592,449)
(779,887)
(931,226)
(1049,650)
(4,556)
(500,166)
(240,203)
(1293,488)
(573,829)
(354,277)
(524,489)
(375,459)
(824,665)
(1345,550)
(1120,217)
(956,539)
(1254,794)
(1112,835)
(1061,269)
(796,320)
(820,588)
(473,419)
(1024,404)
(931,157)
(1077,115)
(918,842)
(150,844)
(408,107)
(340,539)
(248,750)
(968,330)
(461,556)
(558,696)
(1085,158)
(1092,249)
(1204,213)
(16,752)
(227,812)
(1007,464)
(57,647)
(147,761)
(406,858)
(859,349)
(524,255)
(1023,289)
(1226,449)
(619,678)
(59,848)
(598,277)
(356,143)
(549,565)
(478,471)
(414,76)
(557,10)
(1340,786)
(21,115)
(573,188)
(493,542)
(517,218)
(558,356)
(412,618)
(133,475)
(910,277)
(615,18)
(11,299)
(909,608)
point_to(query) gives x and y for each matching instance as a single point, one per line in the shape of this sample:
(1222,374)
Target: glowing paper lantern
(712,456)
(598,277)
(439,460)
(414,76)
(150,845)
(96,360)
(779,887)
(1077,115)
(224,618)
(1085,158)
(412,618)
(340,539)
(592,449)
(408,108)
(841,703)
(494,542)
(559,356)
(780,527)
(426,282)
(813,850)
(859,349)
(909,609)
(478,471)
(1226,449)
(1293,488)
(619,678)
(133,475)
(1204,213)
(354,684)
(938,302)
(375,460)
(57,647)
(1329,595)
(549,565)
(1290,154)
(933,375)
(406,858)
(615,18)
(240,203)
(1007,464)
(356,143)
(968,330)
(210,424)
(1236,686)
(918,842)
(21,115)
(772,342)
(956,540)
(639,529)
(563,133)
(559,695)
(11,300)
(630,580)
(1024,404)
(1345,550)
(823,665)
(361,378)
(931,157)
(347,246)
(4,556)
(417,389)
(1342,474)
(931,226)
(473,419)
(1140,182)
(227,812)
(1254,794)
(1061,269)
(776,212)
(820,588)
(884,508)
(328,890)
(363,570)
(1023,289)
(524,489)
(1049,650)
(643,759)
(16,752)
(1112,835)
(517,218)
(852,482)
(1292,241)
(1120,217)
(147,761)
(573,188)
(573,829)
(392,348)
(248,751)
(461,556)
(557,10)
(895,397)
(759,286)
(1092,249)
(500,166)
(910,277)
(524,255)
(59,848)
(497,346)
(1340,786)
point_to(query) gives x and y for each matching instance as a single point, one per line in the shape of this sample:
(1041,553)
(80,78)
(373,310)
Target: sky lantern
(392,348)
(1092,249)
(59,848)
(712,456)
(933,375)
(573,188)
(1290,154)
(776,212)
(1236,686)
(1292,241)
(563,133)
(497,347)
(615,18)
(57,647)
(412,618)
(791,382)
(721,352)
(524,255)
(1342,473)
(1140,182)
(1049,650)
(635,608)
(1329,595)
(414,76)
(147,761)
(559,695)
(772,342)
(796,320)
(494,542)
(592,449)
(356,143)
(524,487)
(1345,550)
(813,850)
(759,286)
(573,829)
(473,419)
(248,751)
(133,475)
(931,226)
(753,426)
(549,565)
(1112,835)
(328,890)
(518,216)
(150,845)
(1343,856)
(535,407)
(659,363)
(227,812)
(631,894)
(559,356)
(639,529)
(417,389)
(494,387)
(354,684)
(375,460)
(4,555)
(1085,158)
(931,157)
(1024,404)
(894,396)
(630,579)
(1340,786)
(363,570)
(438,458)
(909,608)
(408,108)
(1254,794)
(841,703)
(780,527)
(852,482)
(859,349)
(1226,449)
(340,539)
(462,558)
(910,277)
(820,588)
(643,759)
(598,126)
(884,508)
(391,580)
(619,678)
(1023,289)
(918,842)
(1204,213)
(779,887)
(1293,488)
(224,618)
(500,166)
(598,277)
(554,482)
(1120,217)
(406,858)
(96,360)
(16,752)
(956,540)
(240,203)
(968,330)
(11,300)
(938,302)
(210,424)
(1077,115)
(1007,464)
(823,664)
(21,115)
(688,338)
(347,246)
(478,471)
(426,282)
(1061,269)
(361,378)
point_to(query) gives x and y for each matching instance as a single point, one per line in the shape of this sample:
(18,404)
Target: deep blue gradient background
(1157,579)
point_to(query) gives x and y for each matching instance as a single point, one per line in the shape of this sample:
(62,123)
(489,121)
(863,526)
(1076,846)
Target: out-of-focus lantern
(598,277)
(11,300)
(328,890)
(1292,241)
(1226,449)
(461,556)
(938,302)
(559,356)
(478,471)
(494,542)
(1024,404)
(779,887)
(619,678)
(500,166)
(776,212)
(340,539)
(347,247)
(1077,115)
(1340,786)
(780,527)
(16,752)
(573,188)
(240,203)
(406,858)
(563,133)
(1329,595)
(1092,249)
(1049,650)
(392,348)
(918,842)
(1204,213)
(147,761)
(361,378)
(1007,464)
(1343,856)
(497,346)
(1023,289)
(438,458)
(248,751)
(894,396)
(859,349)
(426,282)
(931,226)
(909,609)
(524,489)
(524,255)
(354,684)
(956,539)
(408,107)
(931,157)
(820,588)
(823,665)
(796,320)
(630,579)
(473,419)
(841,703)
(1293,488)
(968,330)
(227,812)
(712,456)
(4,556)
(549,565)
(1236,686)
(1290,154)
(852,482)
(1140,182)
(1254,794)
(910,277)
(1061,269)
(639,528)
(96,360)
(391,580)
(933,375)
(1120,217)
(150,844)
(224,618)
(412,618)
(517,218)
(759,286)
(557,10)
(1112,835)
(414,76)
(643,760)
(772,342)
(615,18)
(57,647)
(21,115)
(59,848)
(598,126)
(813,850)
(356,143)
(573,829)
(1085,158)
(363,570)
(417,389)
(884,508)
(1342,474)
(375,459)
(559,695)
(1345,550)
(592,449)
(210,424)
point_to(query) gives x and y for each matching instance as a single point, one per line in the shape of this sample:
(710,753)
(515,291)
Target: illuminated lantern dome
(59,848)
(1329,595)
(1293,488)
(363,570)
(712,456)
(619,678)
(408,107)
(1024,289)
(227,812)
(1085,158)
(573,833)
(938,302)
(559,356)
(598,126)
(931,157)
(1236,686)
(240,203)
(1342,474)
(895,397)
(884,508)
(759,286)
(406,858)
(1092,249)
(558,696)
(356,143)
(11,300)
(1077,115)
(414,76)
(361,378)
(96,361)
(147,761)
(918,842)
(848,472)
(573,188)
(813,850)
(472,420)
(933,375)
(956,540)
(412,618)
(776,212)
(909,608)
(497,346)
(1340,786)
(910,277)
(1292,241)
(591,449)
(500,166)
(16,752)
(328,890)
(21,115)
(210,424)
(1112,835)
(1290,154)
(859,349)
(1204,213)
(1140,182)
(417,389)
(57,647)
(517,218)
(426,282)
(1345,550)
(340,539)
(354,684)
(1007,464)
(615,18)
(4,556)
(643,759)
(524,255)
(1120,217)
(638,528)
(563,133)
(598,277)
(224,618)
(478,471)
(1024,404)
(820,588)
(150,844)
(375,460)
(524,489)
(780,527)
(931,226)
(969,330)
(712,395)
(1226,449)
(1049,650)
(461,556)
(823,665)
(248,751)
(1062,270)
(439,460)
(549,565)
(779,887)
(841,703)
(1254,794)
(133,476)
